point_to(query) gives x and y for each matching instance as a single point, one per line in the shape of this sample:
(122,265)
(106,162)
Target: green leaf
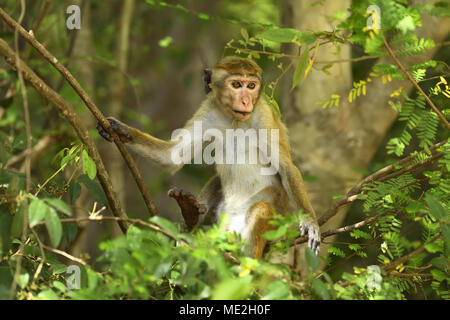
(414,207)
(445,229)
(59,268)
(23,279)
(435,207)
(305,38)
(88,165)
(54,227)
(360,234)
(167,225)
(336,251)
(281,35)
(37,211)
(165,42)
(433,247)
(311,259)
(244,34)
(354,247)
(406,24)
(47,294)
(273,103)
(74,191)
(70,231)
(438,275)
(203,16)
(440,263)
(275,234)
(301,67)
(277,290)
(94,189)
(17,223)
(59,205)
(232,289)
(60,286)
(320,289)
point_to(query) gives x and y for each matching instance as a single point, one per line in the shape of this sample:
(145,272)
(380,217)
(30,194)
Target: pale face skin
(239,96)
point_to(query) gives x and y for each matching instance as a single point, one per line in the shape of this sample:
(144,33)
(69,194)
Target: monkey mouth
(242,112)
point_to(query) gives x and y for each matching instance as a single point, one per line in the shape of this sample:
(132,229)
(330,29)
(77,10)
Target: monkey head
(236,83)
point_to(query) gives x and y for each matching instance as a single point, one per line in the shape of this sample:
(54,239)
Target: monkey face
(240,95)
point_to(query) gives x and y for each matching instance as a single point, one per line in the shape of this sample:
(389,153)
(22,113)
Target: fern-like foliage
(409,44)
(418,119)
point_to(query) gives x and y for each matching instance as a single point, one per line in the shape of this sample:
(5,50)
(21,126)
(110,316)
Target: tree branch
(411,79)
(67,111)
(405,258)
(90,105)
(99,218)
(37,149)
(380,175)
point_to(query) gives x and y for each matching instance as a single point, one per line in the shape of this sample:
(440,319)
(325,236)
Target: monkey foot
(190,207)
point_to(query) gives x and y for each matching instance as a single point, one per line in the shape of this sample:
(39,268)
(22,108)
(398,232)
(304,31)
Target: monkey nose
(245,101)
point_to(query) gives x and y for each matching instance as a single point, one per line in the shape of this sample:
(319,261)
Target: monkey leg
(211,195)
(191,209)
(258,217)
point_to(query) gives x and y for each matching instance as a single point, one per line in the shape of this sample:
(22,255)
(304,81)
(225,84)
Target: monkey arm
(292,181)
(156,149)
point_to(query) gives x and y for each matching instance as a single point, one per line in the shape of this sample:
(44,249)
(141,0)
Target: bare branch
(89,103)
(411,79)
(380,175)
(99,218)
(65,254)
(67,111)
(410,255)
(37,149)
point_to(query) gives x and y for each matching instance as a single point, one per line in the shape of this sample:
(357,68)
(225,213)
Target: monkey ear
(207,80)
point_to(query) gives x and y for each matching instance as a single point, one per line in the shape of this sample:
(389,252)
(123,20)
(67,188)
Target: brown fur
(284,193)
(236,65)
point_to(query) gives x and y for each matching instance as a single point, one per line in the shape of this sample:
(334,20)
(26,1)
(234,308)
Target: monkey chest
(242,182)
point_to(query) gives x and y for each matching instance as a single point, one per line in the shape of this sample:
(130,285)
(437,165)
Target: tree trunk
(336,144)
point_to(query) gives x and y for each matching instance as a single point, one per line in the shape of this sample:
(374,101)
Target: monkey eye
(236,84)
(251,85)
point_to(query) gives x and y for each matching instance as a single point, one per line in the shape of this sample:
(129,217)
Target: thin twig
(410,255)
(40,187)
(41,247)
(411,79)
(345,229)
(89,103)
(379,174)
(65,254)
(39,147)
(100,218)
(412,167)
(357,225)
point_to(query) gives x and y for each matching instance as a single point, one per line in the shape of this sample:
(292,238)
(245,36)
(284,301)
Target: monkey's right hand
(121,129)
(311,229)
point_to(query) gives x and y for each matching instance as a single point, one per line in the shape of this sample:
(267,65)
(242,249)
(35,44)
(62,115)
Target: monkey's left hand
(311,228)
(121,129)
